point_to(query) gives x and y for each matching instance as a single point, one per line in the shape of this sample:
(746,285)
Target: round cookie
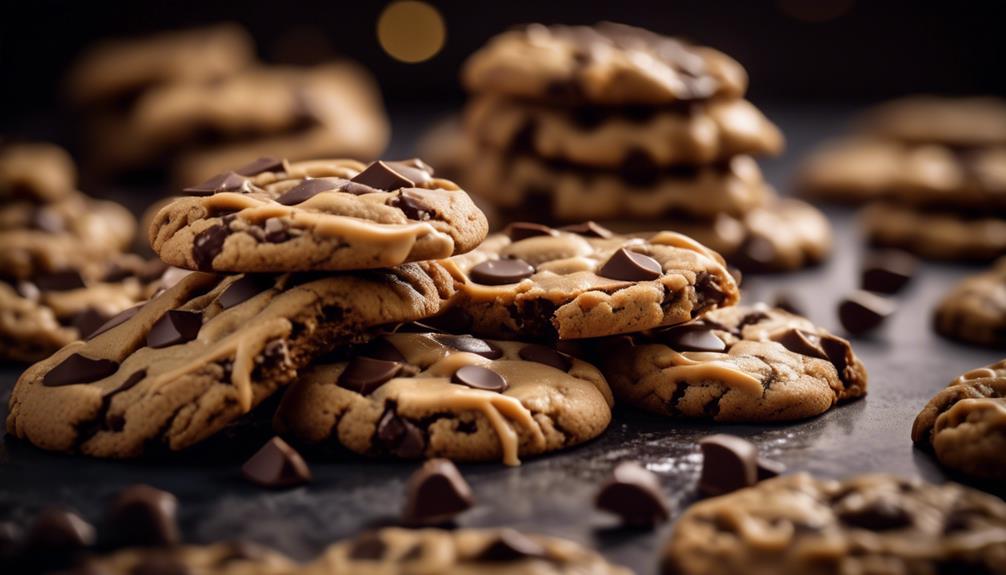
(534,282)
(414,395)
(852,170)
(175,370)
(965,424)
(607,64)
(36,172)
(274,215)
(941,235)
(737,364)
(797,524)
(955,122)
(703,133)
(238,558)
(975,309)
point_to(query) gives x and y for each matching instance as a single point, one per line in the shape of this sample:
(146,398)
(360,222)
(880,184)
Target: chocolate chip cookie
(584,281)
(965,424)
(36,172)
(955,122)
(429,394)
(274,215)
(936,234)
(607,64)
(175,370)
(866,524)
(738,364)
(975,309)
(238,558)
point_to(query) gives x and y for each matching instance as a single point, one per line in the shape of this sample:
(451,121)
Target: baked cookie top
(606,64)
(866,524)
(975,308)
(429,394)
(956,122)
(274,215)
(581,281)
(230,558)
(36,172)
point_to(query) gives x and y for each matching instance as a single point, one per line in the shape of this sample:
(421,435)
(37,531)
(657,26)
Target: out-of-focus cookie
(607,64)
(955,122)
(237,558)
(36,172)
(965,424)
(426,394)
(739,364)
(974,310)
(852,170)
(937,234)
(867,524)
(274,215)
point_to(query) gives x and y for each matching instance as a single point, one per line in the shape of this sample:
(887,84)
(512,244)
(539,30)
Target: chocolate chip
(767,469)
(874,514)
(862,312)
(729,463)
(276,231)
(244,289)
(546,355)
(436,493)
(226,182)
(208,244)
(509,546)
(888,272)
(478,377)
(630,266)
(142,515)
(261,165)
(364,375)
(801,342)
(64,280)
(412,205)
(588,229)
(692,337)
(839,352)
(116,320)
(383,176)
(58,531)
(367,547)
(175,327)
(634,494)
(470,344)
(788,303)
(276,465)
(501,272)
(384,350)
(48,220)
(414,169)
(518,231)
(308,189)
(88,322)
(79,369)
(400,437)
(708,290)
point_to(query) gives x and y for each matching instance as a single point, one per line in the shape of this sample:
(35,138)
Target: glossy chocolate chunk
(48,220)
(79,369)
(414,169)
(635,495)
(276,465)
(478,377)
(801,342)
(589,229)
(729,463)
(261,165)
(208,244)
(692,337)
(501,272)
(630,266)
(510,546)
(384,350)
(436,493)
(546,355)
(368,547)
(518,231)
(874,514)
(470,344)
(839,353)
(412,205)
(144,516)
(59,531)
(64,280)
(227,182)
(88,322)
(888,272)
(862,312)
(402,438)
(244,289)
(308,189)
(116,320)
(364,375)
(175,327)
(384,176)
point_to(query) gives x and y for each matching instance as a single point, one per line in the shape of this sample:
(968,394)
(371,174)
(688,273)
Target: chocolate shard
(364,375)
(692,337)
(478,377)
(399,436)
(242,290)
(436,493)
(630,266)
(262,165)
(77,368)
(307,189)
(88,322)
(59,531)
(368,547)
(501,272)
(411,203)
(384,176)
(729,463)
(175,327)
(588,229)
(839,352)
(634,494)
(276,465)
(142,515)
(116,320)
(414,169)
(801,342)
(208,244)
(64,280)
(470,344)
(226,182)
(518,231)
(862,312)
(545,355)
(510,546)
(888,272)
(384,350)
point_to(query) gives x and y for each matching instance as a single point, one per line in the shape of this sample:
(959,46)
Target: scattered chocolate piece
(382,176)
(412,205)
(888,272)
(175,327)
(501,272)
(589,229)
(400,437)
(261,165)
(64,280)
(276,465)
(88,322)
(116,320)
(510,546)
(692,337)
(788,303)
(478,377)
(634,494)
(470,344)
(436,493)
(59,532)
(244,289)
(518,231)
(208,244)
(364,375)
(227,182)
(729,463)
(308,189)
(630,266)
(145,516)
(768,468)
(77,368)
(546,355)
(875,514)
(862,312)
(368,547)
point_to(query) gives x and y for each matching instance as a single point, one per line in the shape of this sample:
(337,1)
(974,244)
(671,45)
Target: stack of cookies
(618,124)
(195,103)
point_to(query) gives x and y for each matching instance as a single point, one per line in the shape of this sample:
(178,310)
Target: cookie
(36,172)
(965,423)
(738,364)
(177,369)
(852,170)
(865,524)
(428,394)
(607,64)
(648,138)
(274,215)
(237,558)
(583,281)
(975,309)
(939,234)
(956,122)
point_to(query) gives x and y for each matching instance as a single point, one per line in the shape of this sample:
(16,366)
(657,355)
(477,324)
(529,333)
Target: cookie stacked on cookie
(615,123)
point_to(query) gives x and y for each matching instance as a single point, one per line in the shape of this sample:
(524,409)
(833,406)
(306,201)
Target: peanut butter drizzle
(963,409)
(681,366)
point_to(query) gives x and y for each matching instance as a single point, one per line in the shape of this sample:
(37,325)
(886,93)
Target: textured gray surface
(907,364)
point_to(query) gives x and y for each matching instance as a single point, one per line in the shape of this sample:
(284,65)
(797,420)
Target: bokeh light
(411,31)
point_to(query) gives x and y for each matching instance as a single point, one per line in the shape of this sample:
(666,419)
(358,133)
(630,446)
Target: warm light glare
(411,31)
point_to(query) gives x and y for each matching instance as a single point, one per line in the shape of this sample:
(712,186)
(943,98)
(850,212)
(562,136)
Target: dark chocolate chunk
(59,531)
(412,205)
(244,289)
(368,547)
(261,165)
(308,189)
(729,463)
(501,272)
(874,514)
(888,272)
(88,322)
(208,244)
(134,378)
(384,176)
(470,344)
(226,182)
(436,493)
(64,280)
(364,375)
(708,290)
(862,312)
(588,229)
(546,355)
(801,342)
(767,469)
(839,352)
(510,546)
(384,350)
(518,231)
(400,437)
(144,516)
(478,377)
(788,303)
(175,327)
(79,369)
(634,494)
(116,320)
(276,465)
(630,266)
(692,337)
(48,220)
(414,169)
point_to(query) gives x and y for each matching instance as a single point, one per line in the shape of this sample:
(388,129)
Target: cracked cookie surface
(974,310)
